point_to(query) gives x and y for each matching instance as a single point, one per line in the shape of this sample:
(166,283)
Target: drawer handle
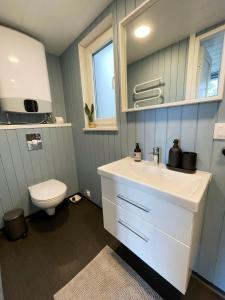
(140,235)
(133,203)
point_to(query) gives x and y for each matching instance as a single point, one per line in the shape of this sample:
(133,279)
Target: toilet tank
(24,82)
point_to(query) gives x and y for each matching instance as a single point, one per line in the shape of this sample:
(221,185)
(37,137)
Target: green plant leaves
(89,113)
(86,109)
(92,108)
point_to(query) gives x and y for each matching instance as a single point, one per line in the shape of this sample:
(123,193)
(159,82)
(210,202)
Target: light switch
(219,131)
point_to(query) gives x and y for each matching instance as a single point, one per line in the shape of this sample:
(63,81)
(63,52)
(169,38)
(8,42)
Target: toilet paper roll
(59,120)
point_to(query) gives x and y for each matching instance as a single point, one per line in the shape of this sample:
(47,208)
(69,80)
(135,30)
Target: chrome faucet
(155,154)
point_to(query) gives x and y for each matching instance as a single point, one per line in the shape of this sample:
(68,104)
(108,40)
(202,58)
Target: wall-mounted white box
(219,131)
(24,82)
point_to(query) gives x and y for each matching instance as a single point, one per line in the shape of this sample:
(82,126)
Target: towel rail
(147,90)
(144,83)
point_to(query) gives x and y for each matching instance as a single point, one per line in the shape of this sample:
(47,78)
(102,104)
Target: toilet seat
(48,193)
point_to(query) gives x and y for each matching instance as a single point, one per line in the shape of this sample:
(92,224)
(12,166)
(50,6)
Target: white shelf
(101,128)
(27,126)
(175,103)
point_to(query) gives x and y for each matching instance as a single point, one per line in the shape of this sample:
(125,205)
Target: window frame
(86,51)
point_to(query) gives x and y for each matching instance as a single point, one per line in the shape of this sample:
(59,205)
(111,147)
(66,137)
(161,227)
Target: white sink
(186,190)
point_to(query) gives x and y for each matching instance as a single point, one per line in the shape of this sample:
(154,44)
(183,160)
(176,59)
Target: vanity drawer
(170,218)
(164,254)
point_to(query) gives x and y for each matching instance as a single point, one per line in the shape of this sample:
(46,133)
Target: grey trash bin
(15,225)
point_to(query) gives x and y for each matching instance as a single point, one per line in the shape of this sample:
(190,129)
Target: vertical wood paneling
(36,166)
(5,197)
(20,168)
(56,153)
(214,214)
(48,152)
(182,65)
(161,132)
(13,147)
(131,124)
(192,124)
(167,73)
(174,71)
(41,158)
(140,129)
(55,76)
(212,237)
(168,63)
(69,159)
(150,123)
(25,156)
(206,120)
(61,152)
(173,128)
(9,170)
(189,115)
(220,270)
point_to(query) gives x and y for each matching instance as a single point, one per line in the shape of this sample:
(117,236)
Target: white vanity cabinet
(156,214)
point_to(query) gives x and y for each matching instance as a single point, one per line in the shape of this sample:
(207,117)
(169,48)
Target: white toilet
(48,194)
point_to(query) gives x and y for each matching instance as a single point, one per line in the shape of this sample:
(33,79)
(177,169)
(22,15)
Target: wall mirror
(172,53)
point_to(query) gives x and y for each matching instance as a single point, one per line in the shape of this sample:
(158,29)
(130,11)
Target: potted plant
(90,114)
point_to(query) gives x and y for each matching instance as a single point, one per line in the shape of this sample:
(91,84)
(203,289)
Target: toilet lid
(48,189)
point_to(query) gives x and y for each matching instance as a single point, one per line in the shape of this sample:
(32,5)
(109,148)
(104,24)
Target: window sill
(101,128)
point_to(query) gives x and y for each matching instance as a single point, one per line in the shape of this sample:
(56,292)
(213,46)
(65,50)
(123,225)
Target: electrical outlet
(219,131)
(88,193)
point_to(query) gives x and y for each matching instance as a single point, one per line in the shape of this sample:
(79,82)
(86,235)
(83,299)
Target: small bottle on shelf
(175,155)
(137,153)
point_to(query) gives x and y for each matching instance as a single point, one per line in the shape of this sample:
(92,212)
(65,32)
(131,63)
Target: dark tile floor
(57,248)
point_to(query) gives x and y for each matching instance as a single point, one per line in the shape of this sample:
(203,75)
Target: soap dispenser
(175,155)
(137,153)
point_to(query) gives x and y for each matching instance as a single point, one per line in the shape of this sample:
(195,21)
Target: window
(213,84)
(209,64)
(205,75)
(97,77)
(103,71)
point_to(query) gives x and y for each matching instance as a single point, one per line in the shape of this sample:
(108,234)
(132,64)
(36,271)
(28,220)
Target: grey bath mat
(107,277)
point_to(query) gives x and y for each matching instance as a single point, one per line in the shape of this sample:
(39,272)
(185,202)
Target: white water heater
(24,83)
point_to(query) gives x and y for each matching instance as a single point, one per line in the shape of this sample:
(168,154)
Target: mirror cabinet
(172,53)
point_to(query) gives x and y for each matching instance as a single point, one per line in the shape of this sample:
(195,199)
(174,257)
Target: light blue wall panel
(193,125)
(220,270)
(170,64)
(20,168)
(189,118)
(150,129)
(55,80)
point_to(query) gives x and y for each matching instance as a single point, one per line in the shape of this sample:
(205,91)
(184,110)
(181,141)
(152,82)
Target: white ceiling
(56,23)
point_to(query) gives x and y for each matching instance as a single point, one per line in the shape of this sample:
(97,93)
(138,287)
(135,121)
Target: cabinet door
(151,207)
(167,256)
(220,266)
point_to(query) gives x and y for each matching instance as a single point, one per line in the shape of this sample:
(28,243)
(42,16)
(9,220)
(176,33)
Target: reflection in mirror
(159,77)
(209,65)
(166,61)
